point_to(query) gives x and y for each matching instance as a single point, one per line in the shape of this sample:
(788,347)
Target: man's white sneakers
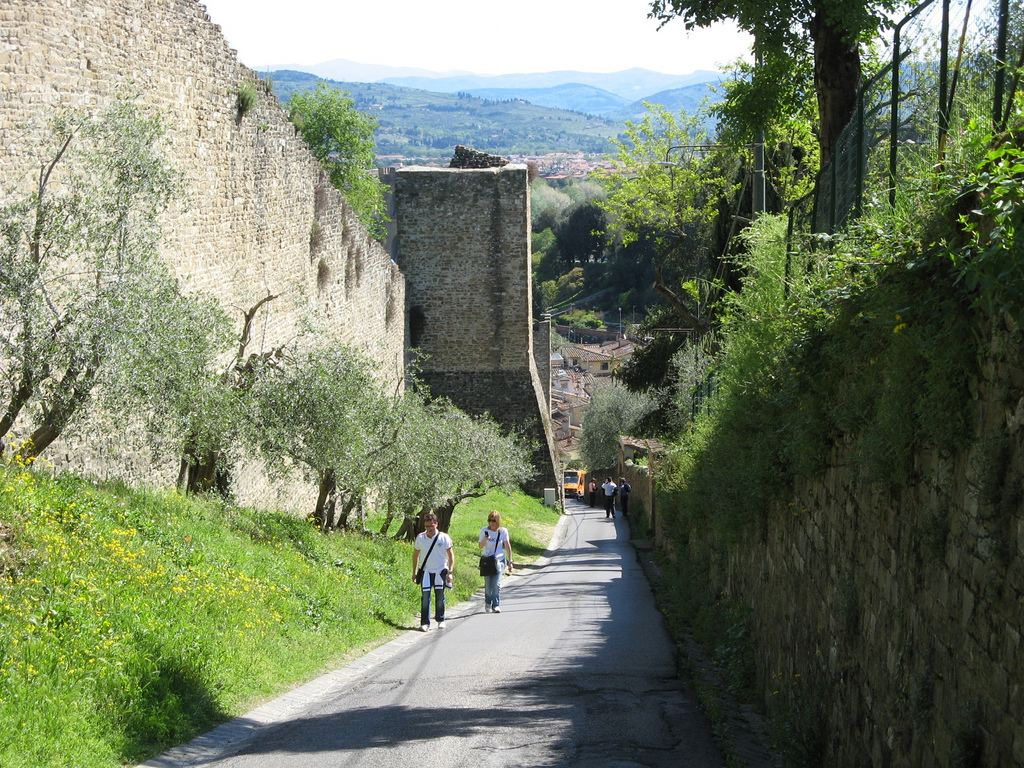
(487,607)
(425,628)
(441,625)
(497,609)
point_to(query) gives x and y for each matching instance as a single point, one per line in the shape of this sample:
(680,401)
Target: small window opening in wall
(604,366)
(417,324)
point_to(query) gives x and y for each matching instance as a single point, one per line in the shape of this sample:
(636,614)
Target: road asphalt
(576,671)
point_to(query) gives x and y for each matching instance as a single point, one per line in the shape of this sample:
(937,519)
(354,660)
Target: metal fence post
(858,196)
(944,74)
(894,115)
(1000,81)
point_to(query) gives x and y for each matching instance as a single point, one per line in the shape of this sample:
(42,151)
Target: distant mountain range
(616,95)
(354,72)
(631,84)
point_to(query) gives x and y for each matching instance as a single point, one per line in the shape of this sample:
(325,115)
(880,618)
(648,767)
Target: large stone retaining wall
(898,614)
(464,246)
(258,215)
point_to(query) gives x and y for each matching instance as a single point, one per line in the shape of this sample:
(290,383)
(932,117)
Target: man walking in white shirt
(437,569)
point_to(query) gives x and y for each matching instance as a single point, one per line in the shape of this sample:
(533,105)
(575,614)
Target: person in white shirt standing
(494,541)
(436,572)
(609,489)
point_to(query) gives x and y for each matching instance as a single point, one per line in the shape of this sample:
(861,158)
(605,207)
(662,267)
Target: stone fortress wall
(258,216)
(471,227)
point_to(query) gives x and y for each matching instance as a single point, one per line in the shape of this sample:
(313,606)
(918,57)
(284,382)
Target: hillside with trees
(421,124)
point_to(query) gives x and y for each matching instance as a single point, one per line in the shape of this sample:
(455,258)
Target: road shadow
(615,699)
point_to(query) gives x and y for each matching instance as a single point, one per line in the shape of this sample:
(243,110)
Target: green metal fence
(948,60)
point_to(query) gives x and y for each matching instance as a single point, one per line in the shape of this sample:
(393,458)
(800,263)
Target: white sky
(524,36)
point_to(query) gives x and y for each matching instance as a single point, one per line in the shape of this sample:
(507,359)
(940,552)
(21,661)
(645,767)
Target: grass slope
(132,621)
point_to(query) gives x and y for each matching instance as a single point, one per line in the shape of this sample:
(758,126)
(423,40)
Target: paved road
(577,670)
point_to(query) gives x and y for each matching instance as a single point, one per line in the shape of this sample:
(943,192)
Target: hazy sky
(490,38)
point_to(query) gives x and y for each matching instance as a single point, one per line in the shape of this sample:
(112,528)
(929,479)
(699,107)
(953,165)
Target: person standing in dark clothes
(624,490)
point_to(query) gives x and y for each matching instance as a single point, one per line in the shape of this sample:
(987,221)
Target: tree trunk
(70,394)
(407,531)
(25,390)
(389,518)
(444,515)
(660,286)
(837,78)
(324,513)
(202,472)
(346,510)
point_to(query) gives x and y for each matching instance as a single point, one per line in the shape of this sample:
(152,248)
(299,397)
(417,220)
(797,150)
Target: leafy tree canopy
(776,97)
(454,456)
(664,189)
(341,138)
(321,410)
(580,235)
(613,411)
(830,30)
(546,204)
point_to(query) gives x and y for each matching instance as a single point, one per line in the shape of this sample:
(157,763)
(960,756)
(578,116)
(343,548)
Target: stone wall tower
(463,244)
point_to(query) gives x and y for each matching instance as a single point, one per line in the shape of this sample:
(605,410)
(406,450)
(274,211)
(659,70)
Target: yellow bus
(574,484)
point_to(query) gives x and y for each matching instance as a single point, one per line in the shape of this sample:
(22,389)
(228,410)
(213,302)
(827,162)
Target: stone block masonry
(256,216)
(896,614)
(467,157)
(463,245)
(542,358)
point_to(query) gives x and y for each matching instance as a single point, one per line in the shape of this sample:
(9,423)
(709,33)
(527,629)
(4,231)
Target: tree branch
(44,180)
(670,296)
(246,334)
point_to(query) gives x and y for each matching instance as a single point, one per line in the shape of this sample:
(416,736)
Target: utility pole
(758,202)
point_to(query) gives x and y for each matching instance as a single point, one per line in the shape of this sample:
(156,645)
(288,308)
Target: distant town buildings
(557,165)
(577,371)
(563,165)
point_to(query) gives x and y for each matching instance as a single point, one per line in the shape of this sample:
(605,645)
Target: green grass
(132,621)
(528,521)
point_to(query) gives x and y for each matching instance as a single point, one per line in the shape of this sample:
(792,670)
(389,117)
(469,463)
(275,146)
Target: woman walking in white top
(494,541)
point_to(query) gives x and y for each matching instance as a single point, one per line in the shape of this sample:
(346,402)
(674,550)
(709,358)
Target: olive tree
(452,456)
(613,411)
(86,303)
(320,410)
